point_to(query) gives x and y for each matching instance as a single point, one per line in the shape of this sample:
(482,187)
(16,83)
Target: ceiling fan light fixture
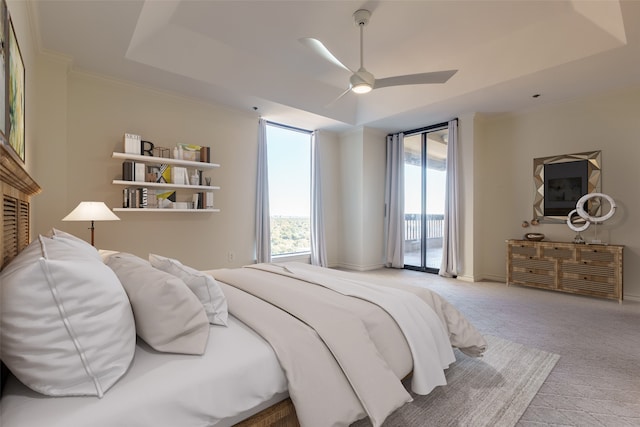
(362,81)
(361,88)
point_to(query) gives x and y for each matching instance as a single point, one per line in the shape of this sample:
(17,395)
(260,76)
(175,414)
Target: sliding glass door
(425,161)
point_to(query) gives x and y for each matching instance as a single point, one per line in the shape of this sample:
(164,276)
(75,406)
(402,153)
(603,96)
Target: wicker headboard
(17,189)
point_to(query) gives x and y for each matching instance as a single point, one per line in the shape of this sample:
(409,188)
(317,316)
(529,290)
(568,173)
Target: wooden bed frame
(17,189)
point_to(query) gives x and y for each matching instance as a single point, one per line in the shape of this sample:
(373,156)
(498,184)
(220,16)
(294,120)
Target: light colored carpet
(595,382)
(494,390)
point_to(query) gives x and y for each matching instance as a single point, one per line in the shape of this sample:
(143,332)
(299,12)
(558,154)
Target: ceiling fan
(362,81)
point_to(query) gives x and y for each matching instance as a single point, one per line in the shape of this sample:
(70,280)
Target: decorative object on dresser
(587,218)
(536,237)
(91,211)
(593,270)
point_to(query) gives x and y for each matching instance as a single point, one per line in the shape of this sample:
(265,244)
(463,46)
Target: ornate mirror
(559,182)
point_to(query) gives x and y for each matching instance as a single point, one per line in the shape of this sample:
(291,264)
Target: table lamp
(91,211)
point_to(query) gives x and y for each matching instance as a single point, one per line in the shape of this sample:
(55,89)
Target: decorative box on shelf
(593,270)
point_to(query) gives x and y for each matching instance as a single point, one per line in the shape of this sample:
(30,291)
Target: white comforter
(426,335)
(350,346)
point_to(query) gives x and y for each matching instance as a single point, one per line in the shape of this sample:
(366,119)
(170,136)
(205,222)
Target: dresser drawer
(598,255)
(558,252)
(524,250)
(587,269)
(585,286)
(533,264)
(532,278)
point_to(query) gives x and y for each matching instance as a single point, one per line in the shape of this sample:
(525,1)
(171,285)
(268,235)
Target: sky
(289,154)
(435,190)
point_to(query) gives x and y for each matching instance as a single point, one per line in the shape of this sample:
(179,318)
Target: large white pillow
(168,315)
(66,325)
(75,242)
(203,286)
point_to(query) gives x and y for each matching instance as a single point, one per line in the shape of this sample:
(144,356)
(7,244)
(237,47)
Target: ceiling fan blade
(415,79)
(329,105)
(317,46)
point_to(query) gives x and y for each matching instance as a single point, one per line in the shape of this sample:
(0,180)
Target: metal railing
(434,226)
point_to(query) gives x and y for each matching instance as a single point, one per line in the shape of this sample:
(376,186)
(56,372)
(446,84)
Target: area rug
(494,390)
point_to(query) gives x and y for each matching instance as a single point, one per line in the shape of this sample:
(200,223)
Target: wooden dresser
(594,270)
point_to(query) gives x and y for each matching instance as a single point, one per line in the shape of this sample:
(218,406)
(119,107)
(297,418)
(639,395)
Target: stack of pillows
(70,314)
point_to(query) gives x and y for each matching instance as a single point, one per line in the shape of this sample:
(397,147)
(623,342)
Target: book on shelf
(135,197)
(128,170)
(179,175)
(132,143)
(205,154)
(140,172)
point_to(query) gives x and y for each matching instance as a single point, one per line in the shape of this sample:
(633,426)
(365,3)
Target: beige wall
(607,122)
(351,209)
(362,167)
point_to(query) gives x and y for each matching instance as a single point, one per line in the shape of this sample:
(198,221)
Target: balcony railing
(434,224)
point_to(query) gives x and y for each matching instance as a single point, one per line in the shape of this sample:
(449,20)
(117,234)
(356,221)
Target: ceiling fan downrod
(362,81)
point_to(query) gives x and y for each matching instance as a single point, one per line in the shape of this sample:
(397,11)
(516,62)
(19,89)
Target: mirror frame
(594,184)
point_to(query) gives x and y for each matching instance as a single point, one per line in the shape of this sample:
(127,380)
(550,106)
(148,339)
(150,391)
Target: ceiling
(247,54)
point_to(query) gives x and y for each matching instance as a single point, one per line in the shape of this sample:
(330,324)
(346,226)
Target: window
(425,169)
(289,164)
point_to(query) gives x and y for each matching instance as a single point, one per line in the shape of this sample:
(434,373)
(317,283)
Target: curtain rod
(289,127)
(426,128)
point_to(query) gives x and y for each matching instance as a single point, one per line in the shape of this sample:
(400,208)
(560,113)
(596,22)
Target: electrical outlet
(231,256)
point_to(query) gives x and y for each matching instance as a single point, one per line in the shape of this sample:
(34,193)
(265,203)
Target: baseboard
(631,298)
(494,278)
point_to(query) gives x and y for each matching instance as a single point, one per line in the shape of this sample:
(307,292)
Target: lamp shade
(91,211)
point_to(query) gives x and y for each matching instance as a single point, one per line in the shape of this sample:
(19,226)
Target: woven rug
(494,390)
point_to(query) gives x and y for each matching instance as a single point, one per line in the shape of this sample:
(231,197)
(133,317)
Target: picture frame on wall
(3,70)
(16,95)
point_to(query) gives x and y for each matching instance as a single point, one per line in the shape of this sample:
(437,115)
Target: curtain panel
(394,202)
(263,226)
(450,265)
(318,244)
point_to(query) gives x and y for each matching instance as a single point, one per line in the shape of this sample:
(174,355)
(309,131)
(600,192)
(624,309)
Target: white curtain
(263,227)
(394,202)
(318,245)
(450,255)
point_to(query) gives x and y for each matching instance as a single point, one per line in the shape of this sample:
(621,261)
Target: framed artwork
(3,69)
(16,97)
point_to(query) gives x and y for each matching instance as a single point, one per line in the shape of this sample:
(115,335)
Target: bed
(297,345)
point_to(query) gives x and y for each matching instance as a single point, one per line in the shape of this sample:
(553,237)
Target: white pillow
(203,285)
(168,315)
(75,242)
(66,324)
